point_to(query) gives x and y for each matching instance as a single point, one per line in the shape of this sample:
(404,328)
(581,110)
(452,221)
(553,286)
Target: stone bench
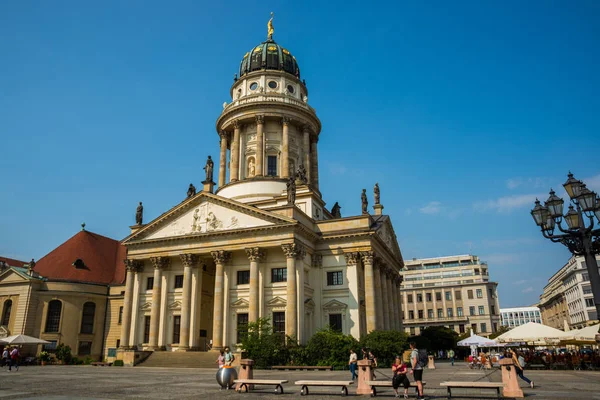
(306,384)
(536,366)
(472,385)
(101,364)
(375,384)
(303,367)
(243,384)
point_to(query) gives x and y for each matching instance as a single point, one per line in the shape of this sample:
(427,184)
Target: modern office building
(511,317)
(567,300)
(453,291)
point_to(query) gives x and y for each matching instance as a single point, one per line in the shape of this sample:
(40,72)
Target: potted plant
(44,357)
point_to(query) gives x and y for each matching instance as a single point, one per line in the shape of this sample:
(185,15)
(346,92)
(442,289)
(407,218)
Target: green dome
(269,55)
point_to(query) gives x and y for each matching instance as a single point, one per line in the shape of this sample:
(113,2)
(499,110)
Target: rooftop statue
(191,191)
(291,191)
(301,175)
(139,213)
(365,202)
(270,29)
(335,210)
(376,193)
(209,169)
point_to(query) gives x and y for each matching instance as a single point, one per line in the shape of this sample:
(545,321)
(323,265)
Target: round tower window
(273,84)
(290,89)
(253,86)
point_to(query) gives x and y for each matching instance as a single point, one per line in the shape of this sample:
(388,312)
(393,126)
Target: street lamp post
(580,238)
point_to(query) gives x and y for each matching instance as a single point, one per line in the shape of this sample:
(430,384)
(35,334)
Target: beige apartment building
(567,300)
(452,291)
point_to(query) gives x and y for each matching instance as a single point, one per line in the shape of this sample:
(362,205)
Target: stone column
(385,309)
(370,294)
(160,264)
(132,266)
(255,255)
(188,260)
(285,144)
(223,159)
(293,252)
(306,152)
(260,145)
(234,171)
(221,258)
(196,308)
(390,300)
(397,282)
(378,299)
(314,162)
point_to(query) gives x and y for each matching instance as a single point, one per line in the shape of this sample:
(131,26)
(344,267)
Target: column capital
(306,128)
(160,262)
(236,124)
(224,135)
(221,256)
(367,257)
(352,258)
(189,259)
(260,119)
(255,254)
(133,265)
(286,121)
(314,138)
(317,261)
(294,250)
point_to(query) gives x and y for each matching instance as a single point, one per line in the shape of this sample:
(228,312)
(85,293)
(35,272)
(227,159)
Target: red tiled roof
(103,259)
(12,262)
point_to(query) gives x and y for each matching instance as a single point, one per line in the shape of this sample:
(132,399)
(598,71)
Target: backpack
(423,359)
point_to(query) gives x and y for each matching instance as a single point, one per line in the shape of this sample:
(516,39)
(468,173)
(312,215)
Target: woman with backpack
(519,362)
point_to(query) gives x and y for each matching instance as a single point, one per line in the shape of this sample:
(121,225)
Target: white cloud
(536,183)
(433,207)
(528,289)
(507,204)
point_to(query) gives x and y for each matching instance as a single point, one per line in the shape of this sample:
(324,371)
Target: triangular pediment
(276,301)
(334,304)
(385,230)
(176,305)
(13,276)
(203,214)
(240,303)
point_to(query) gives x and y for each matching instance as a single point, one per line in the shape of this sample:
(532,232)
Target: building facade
(63,298)
(511,317)
(567,300)
(262,245)
(452,291)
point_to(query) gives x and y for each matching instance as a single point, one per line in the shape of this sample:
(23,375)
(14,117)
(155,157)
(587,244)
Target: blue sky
(462,111)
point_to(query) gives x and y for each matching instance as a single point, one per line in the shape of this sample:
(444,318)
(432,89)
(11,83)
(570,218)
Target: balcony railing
(268,98)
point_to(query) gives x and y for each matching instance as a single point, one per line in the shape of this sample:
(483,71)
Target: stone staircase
(181,359)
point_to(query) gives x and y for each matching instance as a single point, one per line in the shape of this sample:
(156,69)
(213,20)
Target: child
(221,359)
(399,369)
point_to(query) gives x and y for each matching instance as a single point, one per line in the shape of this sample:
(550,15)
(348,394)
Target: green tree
(329,347)
(264,346)
(503,329)
(440,338)
(385,345)
(63,353)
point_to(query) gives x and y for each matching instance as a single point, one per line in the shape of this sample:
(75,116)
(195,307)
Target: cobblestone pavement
(95,383)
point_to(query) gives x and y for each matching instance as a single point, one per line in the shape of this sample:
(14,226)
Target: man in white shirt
(352,363)
(417,369)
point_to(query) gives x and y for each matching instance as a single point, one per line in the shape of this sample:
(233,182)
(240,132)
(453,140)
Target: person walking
(417,369)
(373,359)
(519,362)
(221,359)
(14,359)
(399,370)
(6,357)
(352,364)
(451,356)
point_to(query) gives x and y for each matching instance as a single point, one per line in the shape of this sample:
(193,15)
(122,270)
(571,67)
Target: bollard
(431,363)
(365,374)
(247,371)
(509,379)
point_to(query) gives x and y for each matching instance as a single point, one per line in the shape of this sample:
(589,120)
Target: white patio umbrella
(479,341)
(534,333)
(585,335)
(22,339)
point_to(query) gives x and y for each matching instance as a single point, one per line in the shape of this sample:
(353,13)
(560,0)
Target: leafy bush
(118,363)
(440,338)
(44,356)
(329,347)
(266,347)
(63,353)
(75,361)
(385,345)
(88,360)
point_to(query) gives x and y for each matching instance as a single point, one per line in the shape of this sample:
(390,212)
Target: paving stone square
(95,383)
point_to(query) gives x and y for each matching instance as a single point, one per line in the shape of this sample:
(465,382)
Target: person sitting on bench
(399,369)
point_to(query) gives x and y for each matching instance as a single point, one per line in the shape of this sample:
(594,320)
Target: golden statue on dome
(270,29)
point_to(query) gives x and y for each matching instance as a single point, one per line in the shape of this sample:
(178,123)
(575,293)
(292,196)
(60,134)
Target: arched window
(53,316)
(87,320)
(6,312)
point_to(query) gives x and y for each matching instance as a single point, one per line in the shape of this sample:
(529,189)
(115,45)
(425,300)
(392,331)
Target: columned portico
(223,158)
(378,301)
(306,152)
(159,264)
(370,293)
(383,294)
(255,255)
(390,299)
(189,261)
(234,172)
(294,254)
(221,258)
